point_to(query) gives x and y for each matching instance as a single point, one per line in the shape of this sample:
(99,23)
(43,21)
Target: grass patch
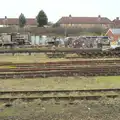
(109,78)
(36,58)
(25,58)
(60,83)
(39,57)
(109,81)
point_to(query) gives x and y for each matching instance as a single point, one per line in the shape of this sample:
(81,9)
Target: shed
(114,35)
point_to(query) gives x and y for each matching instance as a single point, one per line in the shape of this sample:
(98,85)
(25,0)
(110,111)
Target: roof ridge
(17,18)
(83,17)
(80,20)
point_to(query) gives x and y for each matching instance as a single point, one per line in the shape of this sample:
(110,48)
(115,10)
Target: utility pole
(69,23)
(65,30)
(5,21)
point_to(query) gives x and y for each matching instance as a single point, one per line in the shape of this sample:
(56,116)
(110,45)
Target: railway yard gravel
(104,109)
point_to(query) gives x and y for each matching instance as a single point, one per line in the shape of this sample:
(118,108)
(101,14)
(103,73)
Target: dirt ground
(104,109)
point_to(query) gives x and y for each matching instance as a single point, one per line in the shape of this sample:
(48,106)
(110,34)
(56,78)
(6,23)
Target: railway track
(97,71)
(58,50)
(52,68)
(71,95)
(68,92)
(62,63)
(59,98)
(85,53)
(63,68)
(92,57)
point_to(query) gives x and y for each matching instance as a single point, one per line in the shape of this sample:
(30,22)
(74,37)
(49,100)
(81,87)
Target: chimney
(117,18)
(99,17)
(70,15)
(5,17)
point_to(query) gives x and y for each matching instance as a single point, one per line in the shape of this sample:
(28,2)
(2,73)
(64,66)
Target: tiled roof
(116,22)
(84,20)
(15,21)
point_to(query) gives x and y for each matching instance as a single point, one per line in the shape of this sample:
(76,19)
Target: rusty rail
(75,62)
(59,98)
(52,68)
(65,73)
(59,91)
(67,94)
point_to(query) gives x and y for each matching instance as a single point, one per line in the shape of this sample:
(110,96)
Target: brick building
(116,22)
(85,22)
(15,22)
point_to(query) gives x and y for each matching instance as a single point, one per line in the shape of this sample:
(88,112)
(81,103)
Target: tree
(50,23)
(42,19)
(97,30)
(22,20)
(56,25)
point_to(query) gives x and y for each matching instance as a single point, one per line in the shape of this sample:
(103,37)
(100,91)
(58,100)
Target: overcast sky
(55,9)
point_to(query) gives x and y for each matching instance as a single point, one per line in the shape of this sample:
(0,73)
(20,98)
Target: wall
(16,26)
(1,25)
(38,40)
(86,25)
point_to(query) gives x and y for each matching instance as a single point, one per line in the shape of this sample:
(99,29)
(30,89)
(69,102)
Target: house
(114,35)
(85,22)
(116,22)
(15,22)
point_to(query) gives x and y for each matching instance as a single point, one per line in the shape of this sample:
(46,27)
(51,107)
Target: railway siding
(65,68)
